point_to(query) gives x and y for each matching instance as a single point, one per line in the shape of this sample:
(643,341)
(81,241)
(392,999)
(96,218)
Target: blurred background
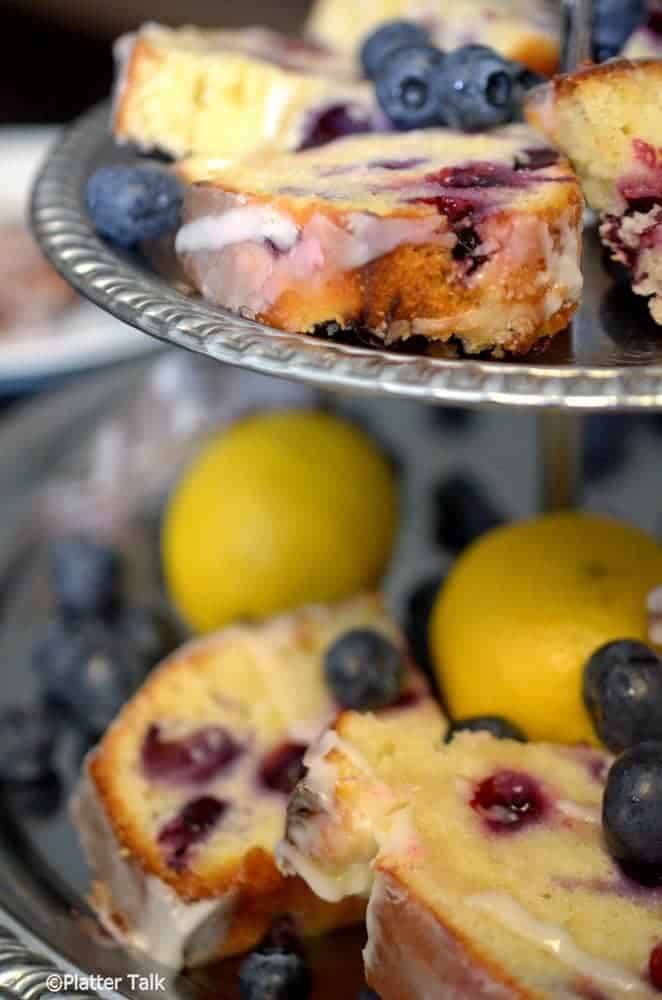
(57,56)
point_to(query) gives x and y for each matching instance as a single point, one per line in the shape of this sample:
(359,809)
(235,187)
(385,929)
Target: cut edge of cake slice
(607,120)
(180,807)
(227,94)
(434,234)
(484,861)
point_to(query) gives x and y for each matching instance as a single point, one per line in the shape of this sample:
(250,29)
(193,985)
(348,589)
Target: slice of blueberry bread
(182,803)
(434,233)
(524,30)
(485,863)
(188,91)
(607,120)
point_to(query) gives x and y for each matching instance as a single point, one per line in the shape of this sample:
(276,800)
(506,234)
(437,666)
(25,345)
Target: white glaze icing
(239,225)
(554,939)
(157,920)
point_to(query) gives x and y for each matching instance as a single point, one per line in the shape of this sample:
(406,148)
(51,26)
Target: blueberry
(274,975)
(388,37)
(417,624)
(407,87)
(367,994)
(605,444)
(622,690)
(86,578)
(632,810)
(364,670)
(497,726)
(27,743)
(150,632)
(128,204)
(477,89)
(463,513)
(524,80)
(282,937)
(41,798)
(88,671)
(613,23)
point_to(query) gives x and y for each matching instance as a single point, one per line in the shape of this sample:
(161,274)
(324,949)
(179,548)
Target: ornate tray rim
(117,284)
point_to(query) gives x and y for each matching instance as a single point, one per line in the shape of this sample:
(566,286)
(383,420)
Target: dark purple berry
(655,967)
(384,40)
(128,204)
(87,578)
(508,801)
(417,624)
(632,811)
(407,87)
(335,122)
(27,743)
(283,936)
(151,632)
(463,513)
(495,725)
(364,670)
(477,89)
(622,690)
(613,23)
(189,828)
(282,768)
(196,758)
(88,671)
(274,976)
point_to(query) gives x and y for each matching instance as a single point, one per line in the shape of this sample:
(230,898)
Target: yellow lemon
(526,605)
(280,510)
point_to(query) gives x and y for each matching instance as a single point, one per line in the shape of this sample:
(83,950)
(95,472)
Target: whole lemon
(525,606)
(282,509)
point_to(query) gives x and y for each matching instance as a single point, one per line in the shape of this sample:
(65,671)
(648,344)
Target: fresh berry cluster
(94,654)
(418,86)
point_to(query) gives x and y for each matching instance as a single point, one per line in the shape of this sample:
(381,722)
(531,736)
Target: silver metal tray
(610,357)
(43,881)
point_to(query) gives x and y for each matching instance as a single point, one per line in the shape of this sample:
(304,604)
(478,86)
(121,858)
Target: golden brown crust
(247,879)
(391,292)
(408,938)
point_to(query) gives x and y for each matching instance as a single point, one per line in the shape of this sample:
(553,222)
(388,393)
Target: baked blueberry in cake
(431,233)
(183,802)
(527,32)
(606,120)
(487,862)
(188,91)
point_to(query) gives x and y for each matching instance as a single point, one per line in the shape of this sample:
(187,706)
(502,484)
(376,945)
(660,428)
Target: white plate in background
(83,336)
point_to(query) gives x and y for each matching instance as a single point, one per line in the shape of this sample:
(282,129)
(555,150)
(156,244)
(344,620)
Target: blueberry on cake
(524,30)
(188,91)
(433,232)
(183,802)
(486,863)
(606,119)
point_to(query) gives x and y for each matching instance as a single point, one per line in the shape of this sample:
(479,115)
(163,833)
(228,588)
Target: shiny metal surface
(610,358)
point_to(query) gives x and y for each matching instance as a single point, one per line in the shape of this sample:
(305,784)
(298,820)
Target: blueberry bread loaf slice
(434,233)
(188,91)
(606,119)
(181,805)
(484,861)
